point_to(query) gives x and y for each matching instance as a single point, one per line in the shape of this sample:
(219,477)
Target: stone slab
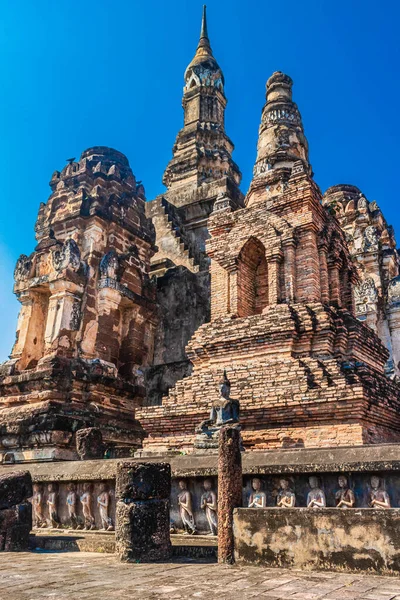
(379,457)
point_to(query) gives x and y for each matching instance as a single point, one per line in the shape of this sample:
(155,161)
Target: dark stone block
(21,514)
(17,539)
(15,487)
(142,481)
(142,532)
(89,443)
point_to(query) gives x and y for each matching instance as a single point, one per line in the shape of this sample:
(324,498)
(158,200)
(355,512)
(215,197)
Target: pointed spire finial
(204,47)
(203,31)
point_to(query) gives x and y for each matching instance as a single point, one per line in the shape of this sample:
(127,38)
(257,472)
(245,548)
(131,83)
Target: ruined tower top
(281,140)
(204,69)
(202,165)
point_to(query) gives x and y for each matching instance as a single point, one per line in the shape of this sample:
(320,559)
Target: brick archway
(252,278)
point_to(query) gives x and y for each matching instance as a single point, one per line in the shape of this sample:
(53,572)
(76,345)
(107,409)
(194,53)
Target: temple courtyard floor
(84,576)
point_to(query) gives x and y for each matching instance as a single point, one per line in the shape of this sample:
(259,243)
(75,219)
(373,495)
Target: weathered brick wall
(287,396)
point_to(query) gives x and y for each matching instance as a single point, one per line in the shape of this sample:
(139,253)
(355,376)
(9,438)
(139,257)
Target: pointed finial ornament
(204,47)
(203,31)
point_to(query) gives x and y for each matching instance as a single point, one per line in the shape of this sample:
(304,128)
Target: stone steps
(56,540)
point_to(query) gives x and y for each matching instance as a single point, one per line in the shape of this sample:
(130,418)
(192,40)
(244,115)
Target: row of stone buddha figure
(344,496)
(51,499)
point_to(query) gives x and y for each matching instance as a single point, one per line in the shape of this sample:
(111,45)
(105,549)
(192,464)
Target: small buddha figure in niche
(71,505)
(257,498)
(378,497)
(210,506)
(344,497)
(224,410)
(285,498)
(316,496)
(185,508)
(87,501)
(103,502)
(52,501)
(39,519)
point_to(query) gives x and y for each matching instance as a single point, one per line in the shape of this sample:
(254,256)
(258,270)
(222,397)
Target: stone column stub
(229,490)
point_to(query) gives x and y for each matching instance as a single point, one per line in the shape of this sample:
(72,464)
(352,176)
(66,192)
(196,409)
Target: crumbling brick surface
(89,443)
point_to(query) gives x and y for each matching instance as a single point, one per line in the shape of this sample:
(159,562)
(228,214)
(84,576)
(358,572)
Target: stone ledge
(382,457)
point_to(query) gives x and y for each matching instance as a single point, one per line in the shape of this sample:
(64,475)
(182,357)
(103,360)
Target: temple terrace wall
(94,479)
(328,538)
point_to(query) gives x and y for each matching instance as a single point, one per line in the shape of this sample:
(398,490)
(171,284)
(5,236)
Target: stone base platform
(191,546)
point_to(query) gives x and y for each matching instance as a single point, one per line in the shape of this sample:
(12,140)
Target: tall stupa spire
(204,65)
(203,151)
(203,31)
(281,140)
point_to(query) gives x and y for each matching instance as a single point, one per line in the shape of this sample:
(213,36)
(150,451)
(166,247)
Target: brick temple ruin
(132,311)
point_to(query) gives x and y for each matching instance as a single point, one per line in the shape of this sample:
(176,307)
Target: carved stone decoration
(185,508)
(394,291)
(257,498)
(366,296)
(378,497)
(210,506)
(222,202)
(39,519)
(103,503)
(316,497)
(22,268)
(71,505)
(285,498)
(87,503)
(52,506)
(109,265)
(371,239)
(344,497)
(68,256)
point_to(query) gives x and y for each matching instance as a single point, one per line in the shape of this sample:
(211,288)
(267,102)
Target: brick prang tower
(200,171)
(87,320)
(307,373)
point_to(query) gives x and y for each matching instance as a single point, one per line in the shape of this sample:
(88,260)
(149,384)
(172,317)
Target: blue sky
(78,74)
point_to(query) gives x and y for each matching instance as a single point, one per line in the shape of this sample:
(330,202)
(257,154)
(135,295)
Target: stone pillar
(229,490)
(232,292)
(334,284)
(324,278)
(29,346)
(63,316)
(289,251)
(273,280)
(15,511)
(142,494)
